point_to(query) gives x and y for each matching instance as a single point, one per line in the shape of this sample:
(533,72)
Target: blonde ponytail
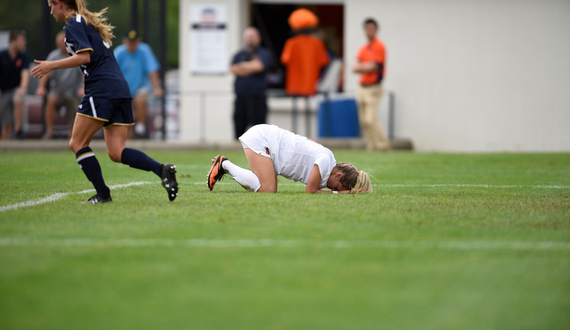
(363,184)
(98,20)
(356,181)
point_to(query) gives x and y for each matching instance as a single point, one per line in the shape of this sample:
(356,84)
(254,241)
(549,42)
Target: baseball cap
(132,35)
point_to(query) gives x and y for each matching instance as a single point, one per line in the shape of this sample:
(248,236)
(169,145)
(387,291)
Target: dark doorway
(271,20)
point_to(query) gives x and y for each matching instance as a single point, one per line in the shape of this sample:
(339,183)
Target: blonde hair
(98,20)
(356,181)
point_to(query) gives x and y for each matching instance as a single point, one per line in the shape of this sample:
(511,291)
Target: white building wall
(206,101)
(484,75)
(468,75)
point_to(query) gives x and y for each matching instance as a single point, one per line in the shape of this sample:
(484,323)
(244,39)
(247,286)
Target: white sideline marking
(57,196)
(51,198)
(264,243)
(469,185)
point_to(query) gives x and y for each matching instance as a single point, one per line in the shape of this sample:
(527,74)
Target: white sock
(245,178)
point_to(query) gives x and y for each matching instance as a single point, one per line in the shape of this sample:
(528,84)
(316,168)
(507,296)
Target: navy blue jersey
(254,84)
(11,70)
(103,78)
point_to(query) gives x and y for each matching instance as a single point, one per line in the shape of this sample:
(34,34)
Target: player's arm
(238,70)
(286,54)
(235,69)
(365,67)
(253,66)
(24,80)
(81,90)
(315,181)
(41,90)
(243,69)
(155,81)
(45,67)
(247,68)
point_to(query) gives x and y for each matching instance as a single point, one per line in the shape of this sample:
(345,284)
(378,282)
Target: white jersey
(293,155)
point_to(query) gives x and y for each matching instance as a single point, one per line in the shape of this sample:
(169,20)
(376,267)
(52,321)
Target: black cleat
(138,136)
(169,181)
(97,199)
(20,135)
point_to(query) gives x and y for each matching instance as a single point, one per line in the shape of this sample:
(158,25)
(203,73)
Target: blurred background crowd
(461,76)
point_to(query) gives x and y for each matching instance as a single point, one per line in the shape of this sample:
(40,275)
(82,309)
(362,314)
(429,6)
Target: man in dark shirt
(14,78)
(250,65)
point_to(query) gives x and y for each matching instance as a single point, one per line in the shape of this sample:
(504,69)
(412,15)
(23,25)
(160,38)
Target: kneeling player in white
(273,151)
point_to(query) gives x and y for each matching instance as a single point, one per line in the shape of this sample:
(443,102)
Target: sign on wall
(208,39)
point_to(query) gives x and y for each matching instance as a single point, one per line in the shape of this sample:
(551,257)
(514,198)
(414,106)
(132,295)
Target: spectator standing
(371,59)
(65,88)
(14,78)
(250,66)
(140,68)
(304,55)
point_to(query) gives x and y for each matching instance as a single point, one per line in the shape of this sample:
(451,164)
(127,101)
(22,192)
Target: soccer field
(445,241)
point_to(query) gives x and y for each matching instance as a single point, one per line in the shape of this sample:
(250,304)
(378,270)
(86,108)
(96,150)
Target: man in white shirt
(66,88)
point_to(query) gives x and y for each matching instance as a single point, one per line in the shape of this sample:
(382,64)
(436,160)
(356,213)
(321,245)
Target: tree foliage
(27,15)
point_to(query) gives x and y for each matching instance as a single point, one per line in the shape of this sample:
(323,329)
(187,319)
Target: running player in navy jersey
(107,100)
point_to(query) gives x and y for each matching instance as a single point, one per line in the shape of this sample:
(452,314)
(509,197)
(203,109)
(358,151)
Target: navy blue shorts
(110,111)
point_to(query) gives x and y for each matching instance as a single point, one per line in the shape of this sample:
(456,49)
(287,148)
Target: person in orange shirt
(304,55)
(371,66)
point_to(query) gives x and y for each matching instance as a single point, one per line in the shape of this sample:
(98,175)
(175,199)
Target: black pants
(249,110)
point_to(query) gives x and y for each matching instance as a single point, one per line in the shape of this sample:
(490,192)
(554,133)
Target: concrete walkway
(151,145)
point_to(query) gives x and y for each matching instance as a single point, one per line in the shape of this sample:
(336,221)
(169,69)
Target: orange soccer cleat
(216,172)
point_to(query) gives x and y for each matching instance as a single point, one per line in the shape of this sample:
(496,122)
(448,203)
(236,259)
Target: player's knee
(268,188)
(18,102)
(52,100)
(115,155)
(73,145)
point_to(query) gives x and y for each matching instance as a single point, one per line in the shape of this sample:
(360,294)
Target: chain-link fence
(33,17)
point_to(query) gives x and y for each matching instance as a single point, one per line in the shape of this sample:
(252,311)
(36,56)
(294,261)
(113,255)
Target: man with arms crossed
(250,66)
(14,78)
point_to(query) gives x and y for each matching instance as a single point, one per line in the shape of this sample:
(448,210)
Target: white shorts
(143,92)
(263,139)
(293,156)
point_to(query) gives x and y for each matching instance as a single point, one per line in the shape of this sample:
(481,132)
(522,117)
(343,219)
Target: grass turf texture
(445,241)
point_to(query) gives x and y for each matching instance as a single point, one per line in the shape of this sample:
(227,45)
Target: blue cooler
(338,118)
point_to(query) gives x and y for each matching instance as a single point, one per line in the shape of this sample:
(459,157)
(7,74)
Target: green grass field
(445,241)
